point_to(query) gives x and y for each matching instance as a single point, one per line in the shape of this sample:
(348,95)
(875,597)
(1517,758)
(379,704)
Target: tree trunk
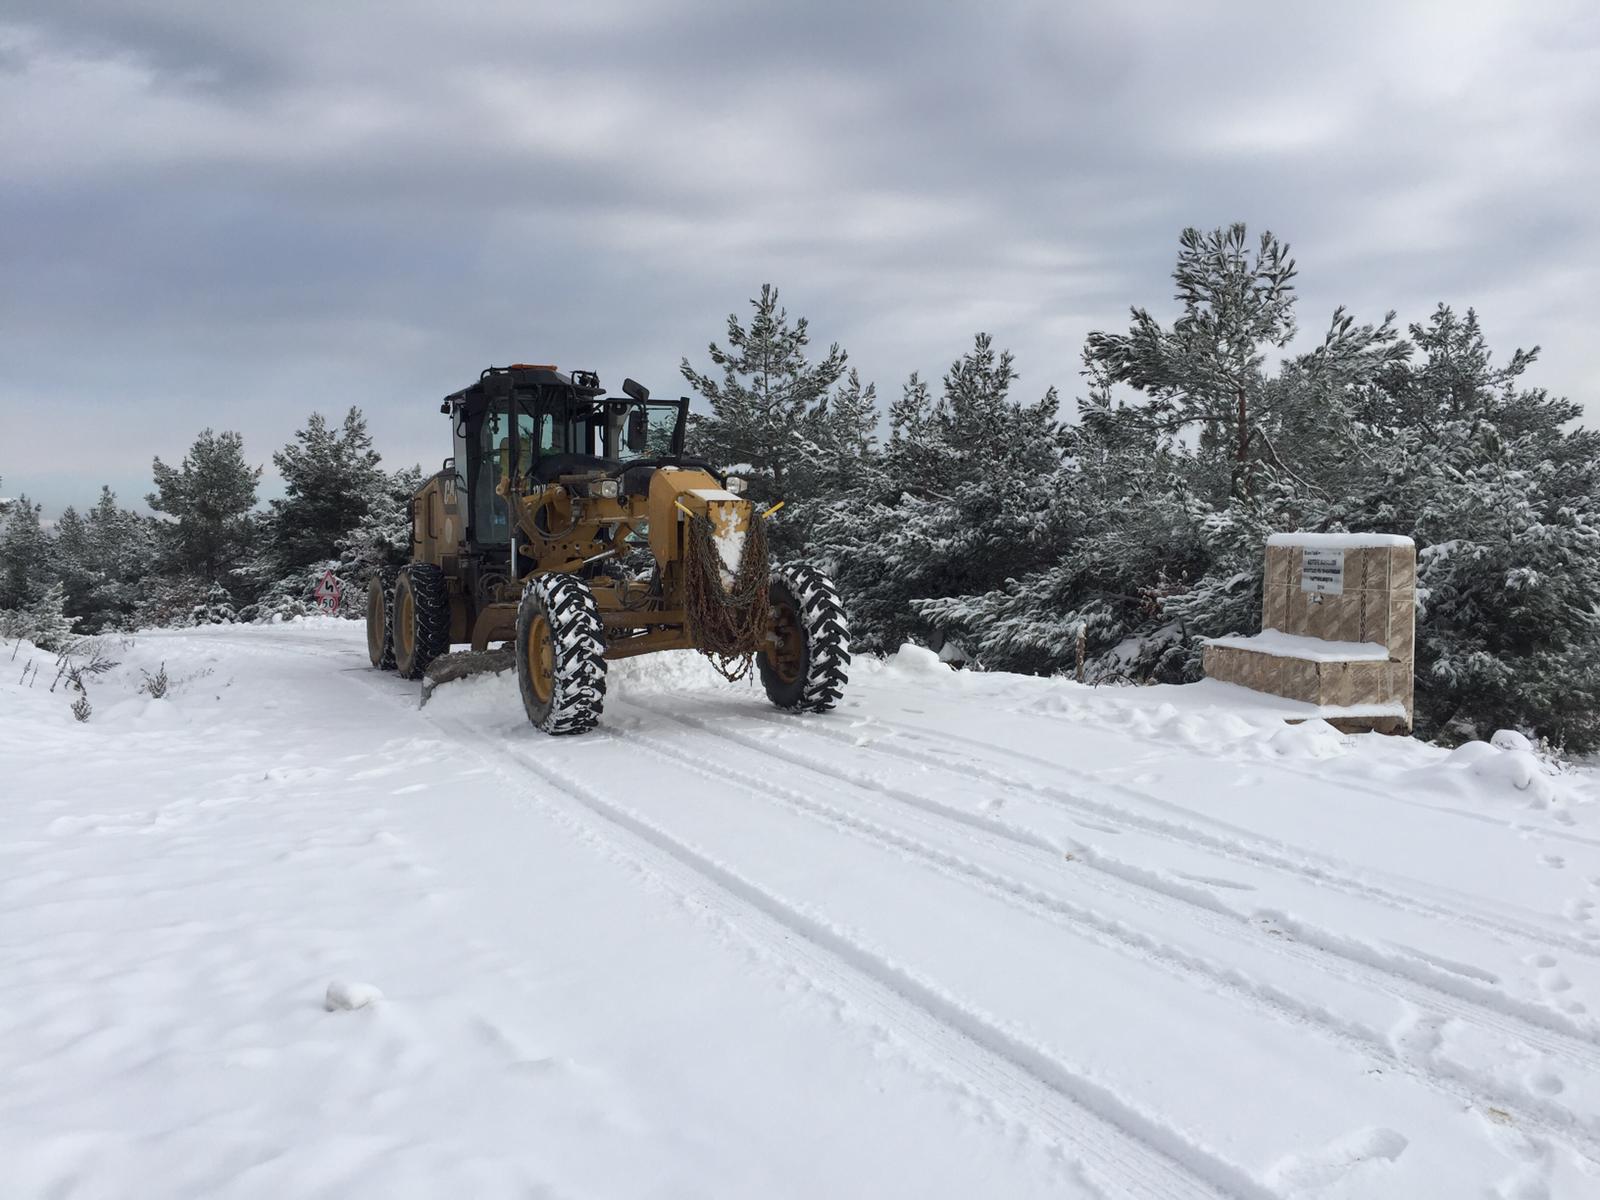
(1241,455)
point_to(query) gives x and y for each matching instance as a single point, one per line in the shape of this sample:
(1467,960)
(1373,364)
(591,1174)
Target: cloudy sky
(229,213)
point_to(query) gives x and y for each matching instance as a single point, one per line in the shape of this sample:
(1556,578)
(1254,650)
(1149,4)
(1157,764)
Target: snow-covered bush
(215,609)
(44,622)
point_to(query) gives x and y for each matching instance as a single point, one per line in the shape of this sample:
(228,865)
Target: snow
(968,935)
(730,548)
(1312,649)
(1338,541)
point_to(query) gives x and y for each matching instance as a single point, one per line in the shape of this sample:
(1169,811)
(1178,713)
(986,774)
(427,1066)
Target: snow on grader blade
(570,529)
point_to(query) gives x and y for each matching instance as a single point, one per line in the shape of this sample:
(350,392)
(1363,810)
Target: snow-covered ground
(283,934)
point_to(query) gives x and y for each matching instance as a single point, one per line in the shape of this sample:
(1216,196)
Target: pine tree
(104,557)
(331,477)
(209,497)
(381,540)
(1500,492)
(1208,371)
(43,621)
(768,412)
(216,609)
(26,558)
(76,567)
(964,498)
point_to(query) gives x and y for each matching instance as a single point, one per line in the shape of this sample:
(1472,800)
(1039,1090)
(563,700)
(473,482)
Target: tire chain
(385,580)
(579,645)
(828,633)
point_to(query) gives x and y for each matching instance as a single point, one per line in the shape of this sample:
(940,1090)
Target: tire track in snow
(1460,1084)
(1530,1023)
(1352,785)
(1250,849)
(1121,1150)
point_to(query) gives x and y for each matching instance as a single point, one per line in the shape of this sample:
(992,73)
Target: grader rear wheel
(561,666)
(420,618)
(380,624)
(806,661)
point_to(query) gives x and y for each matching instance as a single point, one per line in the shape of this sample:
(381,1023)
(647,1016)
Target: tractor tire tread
(579,686)
(430,613)
(827,637)
(385,580)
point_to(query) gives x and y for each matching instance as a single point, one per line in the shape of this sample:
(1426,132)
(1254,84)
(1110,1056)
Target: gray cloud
(229,214)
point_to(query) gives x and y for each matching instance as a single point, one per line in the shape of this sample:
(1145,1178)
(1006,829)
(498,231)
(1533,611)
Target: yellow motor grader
(570,528)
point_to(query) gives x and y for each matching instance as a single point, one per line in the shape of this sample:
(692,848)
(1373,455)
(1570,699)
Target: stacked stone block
(1377,606)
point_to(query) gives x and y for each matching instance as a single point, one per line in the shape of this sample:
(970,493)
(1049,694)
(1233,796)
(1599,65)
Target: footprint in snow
(1548,1083)
(1365,1151)
(1554,982)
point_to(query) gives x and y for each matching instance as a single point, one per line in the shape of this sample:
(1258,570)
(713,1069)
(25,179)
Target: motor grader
(569,528)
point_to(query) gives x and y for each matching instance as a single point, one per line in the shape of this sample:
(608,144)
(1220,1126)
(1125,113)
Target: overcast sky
(231,214)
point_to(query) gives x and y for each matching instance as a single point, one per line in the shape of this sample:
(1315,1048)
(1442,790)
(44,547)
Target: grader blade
(462,663)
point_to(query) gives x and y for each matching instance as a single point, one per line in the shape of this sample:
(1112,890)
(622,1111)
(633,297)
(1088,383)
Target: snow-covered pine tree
(123,544)
(965,497)
(215,609)
(104,557)
(381,540)
(1207,373)
(208,498)
(76,567)
(1500,491)
(845,434)
(1190,449)
(43,621)
(26,559)
(331,476)
(765,411)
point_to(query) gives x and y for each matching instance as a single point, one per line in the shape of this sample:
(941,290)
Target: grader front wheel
(805,663)
(561,666)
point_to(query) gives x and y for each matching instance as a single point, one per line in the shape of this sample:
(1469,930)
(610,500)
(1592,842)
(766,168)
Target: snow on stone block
(344,996)
(1339,541)
(1312,649)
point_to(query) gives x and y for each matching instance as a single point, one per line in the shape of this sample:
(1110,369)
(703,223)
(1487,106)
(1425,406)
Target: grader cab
(569,528)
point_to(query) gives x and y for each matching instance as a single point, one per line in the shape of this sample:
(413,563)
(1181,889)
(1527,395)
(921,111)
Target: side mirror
(638,429)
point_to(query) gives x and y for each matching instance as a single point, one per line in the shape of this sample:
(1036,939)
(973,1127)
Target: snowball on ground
(344,996)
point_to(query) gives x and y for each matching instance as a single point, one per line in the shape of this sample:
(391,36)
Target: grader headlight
(738,484)
(607,489)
